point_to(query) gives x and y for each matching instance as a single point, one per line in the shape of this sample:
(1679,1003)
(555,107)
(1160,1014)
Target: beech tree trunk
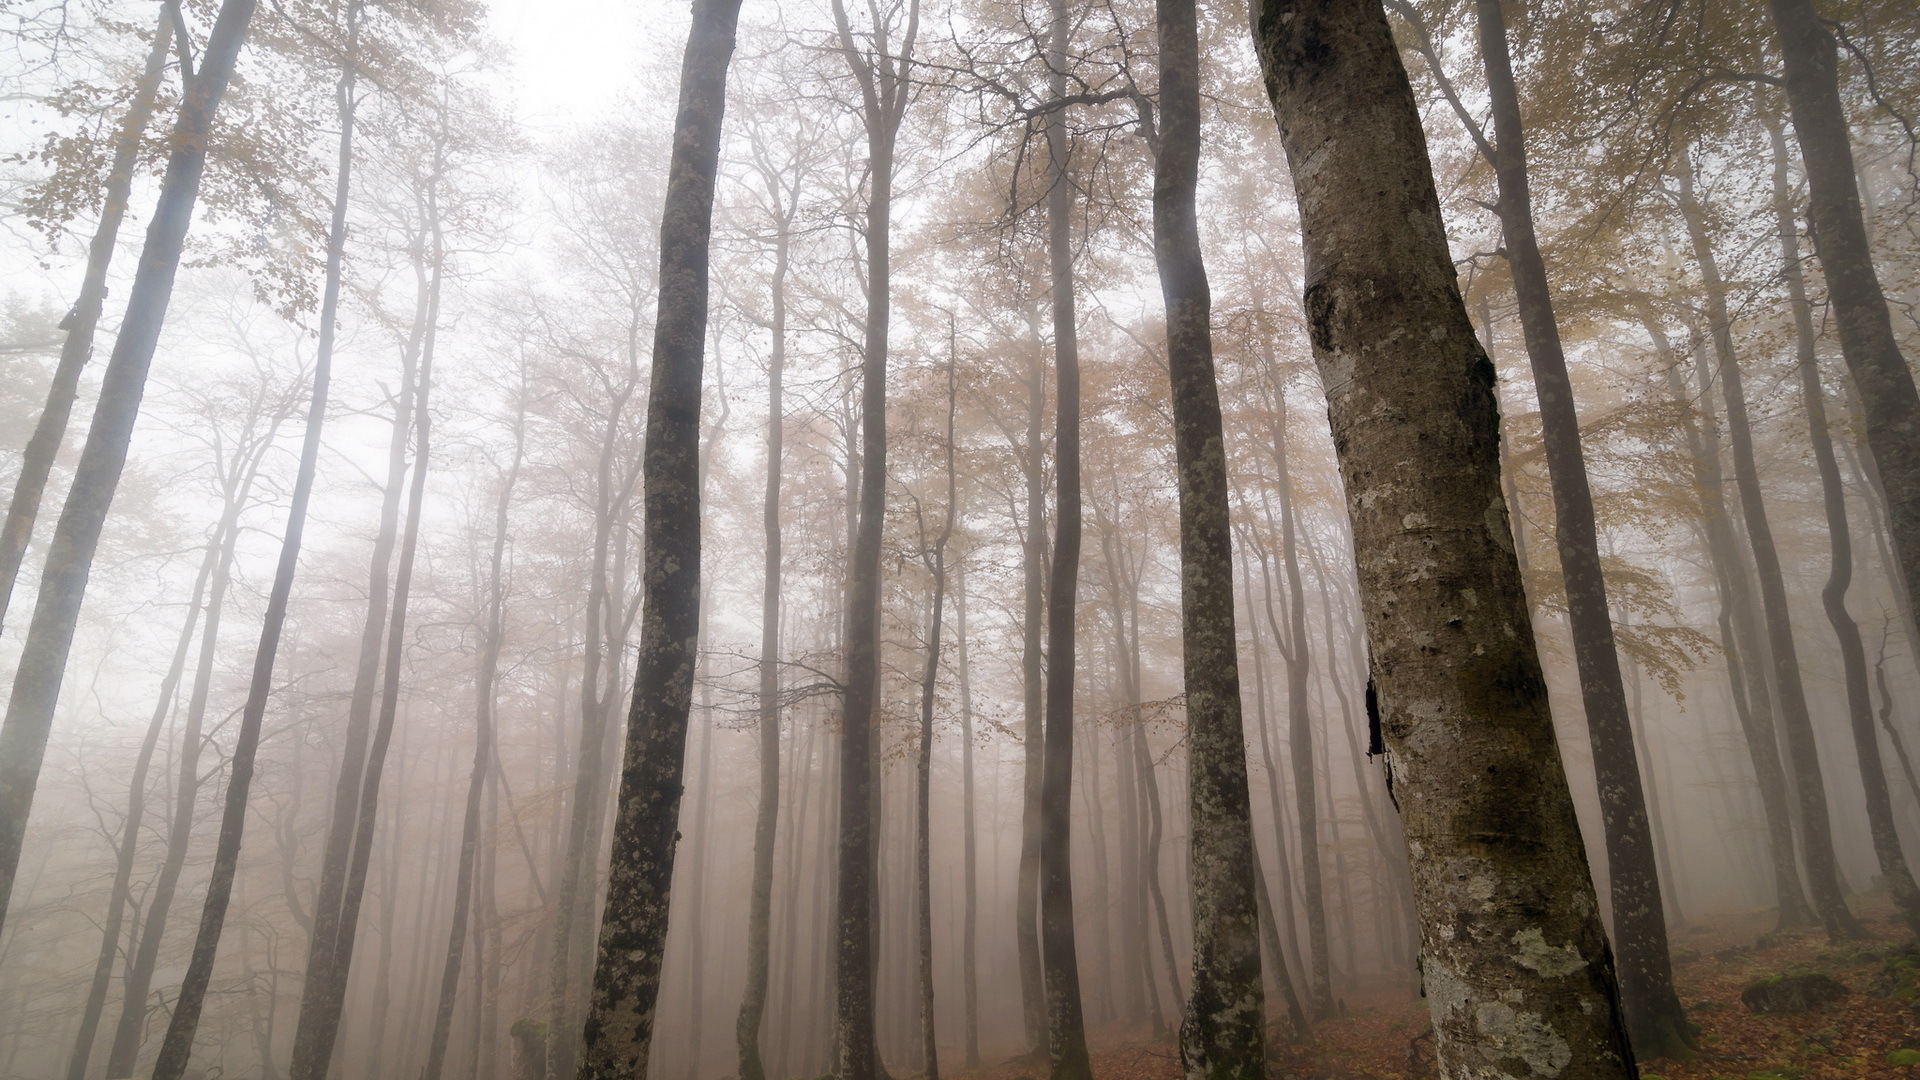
(1033,565)
(1516,961)
(880,67)
(970,886)
(36,458)
(1655,1019)
(63,579)
(1222,1036)
(1816,830)
(1739,636)
(1833,597)
(936,560)
(1060,963)
(1887,396)
(633,930)
(753,1002)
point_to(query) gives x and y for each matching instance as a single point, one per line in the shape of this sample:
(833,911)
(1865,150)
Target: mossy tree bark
(633,931)
(1516,961)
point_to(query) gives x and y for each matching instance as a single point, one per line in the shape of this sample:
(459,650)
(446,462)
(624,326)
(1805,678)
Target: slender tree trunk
(970,887)
(1222,1036)
(1833,597)
(1885,383)
(1033,562)
(36,458)
(923,761)
(1060,963)
(1753,704)
(633,930)
(1299,658)
(753,1002)
(1516,961)
(483,743)
(63,580)
(1655,1019)
(882,75)
(177,1047)
(210,585)
(1816,831)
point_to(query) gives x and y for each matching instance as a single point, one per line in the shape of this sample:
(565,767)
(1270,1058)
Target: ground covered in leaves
(1874,1031)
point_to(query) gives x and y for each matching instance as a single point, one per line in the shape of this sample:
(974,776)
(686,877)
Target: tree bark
(36,458)
(1816,830)
(1060,963)
(633,931)
(1033,565)
(1887,396)
(1516,962)
(1833,597)
(1655,1019)
(1222,1035)
(936,561)
(882,76)
(63,579)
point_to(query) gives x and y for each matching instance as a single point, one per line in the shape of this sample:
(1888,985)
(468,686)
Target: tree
(626,978)
(36,458)
(880,67)
(63,581)
(1222,1035)
(1887,396)
(1515,960)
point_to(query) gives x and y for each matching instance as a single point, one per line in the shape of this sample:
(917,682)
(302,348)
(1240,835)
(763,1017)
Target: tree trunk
(1739,635)
(936,561)
(1516,961)
(1816,831)
(884,88)
(1222,1036)
(753,1002)
(1880,374)
(470,830)
(1033,565)
(970,886)
(1655,1020)
(210,585)
(63,580)
(633,931)
(1833,597)
(36,458)
(1059,960)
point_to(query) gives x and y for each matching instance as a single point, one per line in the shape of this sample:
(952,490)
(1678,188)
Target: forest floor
(1859,1036)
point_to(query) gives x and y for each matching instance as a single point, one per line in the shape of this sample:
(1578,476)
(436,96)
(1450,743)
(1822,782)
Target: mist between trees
(737,574)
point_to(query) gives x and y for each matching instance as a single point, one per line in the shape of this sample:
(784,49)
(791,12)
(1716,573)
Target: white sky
(580,60)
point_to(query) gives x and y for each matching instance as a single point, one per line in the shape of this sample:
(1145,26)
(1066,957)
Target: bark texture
(1516,962)
(1222,1035)
(633,932)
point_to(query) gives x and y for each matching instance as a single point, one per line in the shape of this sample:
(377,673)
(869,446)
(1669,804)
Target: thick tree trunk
(63,580)
(1516,961)
(1059,959)
(1880,374)
(36,458)
(1816,831)
(633,931)
(1222,1036)
(483,742)
(753,1002)
(1833,597)
(1655,1020)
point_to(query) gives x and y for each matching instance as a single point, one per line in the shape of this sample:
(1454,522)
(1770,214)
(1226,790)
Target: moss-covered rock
(1792,993)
